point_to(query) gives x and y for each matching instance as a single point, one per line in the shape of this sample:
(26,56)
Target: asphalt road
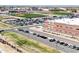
(51,44)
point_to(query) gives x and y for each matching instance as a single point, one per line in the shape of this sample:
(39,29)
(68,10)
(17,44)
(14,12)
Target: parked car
(20,29)
(1,31)
(71,46)
(38,35)
(58,41)
(26,31)
(34,33)
(77,48)
(43,37)
(65,44)
(61,43)
(52,40)
(31,32)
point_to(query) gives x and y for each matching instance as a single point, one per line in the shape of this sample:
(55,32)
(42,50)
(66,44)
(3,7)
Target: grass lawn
(29,15)
(60,13)
(23,41)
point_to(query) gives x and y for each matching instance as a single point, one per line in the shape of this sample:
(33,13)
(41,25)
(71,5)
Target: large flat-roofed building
(68,26)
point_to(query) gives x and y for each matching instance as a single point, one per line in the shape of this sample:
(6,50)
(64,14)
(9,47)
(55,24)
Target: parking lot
(22,22)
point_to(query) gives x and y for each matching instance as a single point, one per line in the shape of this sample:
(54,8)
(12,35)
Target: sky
(39,2)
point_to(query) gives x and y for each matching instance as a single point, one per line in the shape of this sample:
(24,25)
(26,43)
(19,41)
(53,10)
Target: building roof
(70,21)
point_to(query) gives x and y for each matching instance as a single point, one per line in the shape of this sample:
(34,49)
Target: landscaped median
(28,44)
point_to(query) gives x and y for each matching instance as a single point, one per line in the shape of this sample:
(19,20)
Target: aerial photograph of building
(39,29)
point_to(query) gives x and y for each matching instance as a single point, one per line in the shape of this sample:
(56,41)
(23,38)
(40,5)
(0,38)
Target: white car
(49,38)
(31,32)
